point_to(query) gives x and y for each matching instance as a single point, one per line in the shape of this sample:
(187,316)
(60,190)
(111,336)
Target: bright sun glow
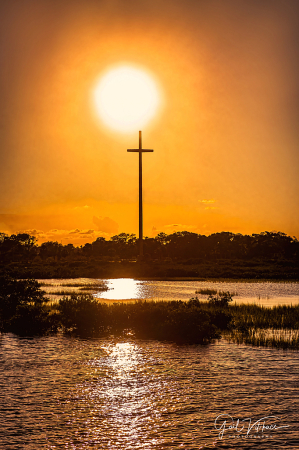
(121,289)
(126,98)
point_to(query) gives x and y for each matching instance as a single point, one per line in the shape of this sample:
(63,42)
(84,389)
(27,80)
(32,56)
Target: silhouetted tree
(50,249)
(17,246)
(23,307)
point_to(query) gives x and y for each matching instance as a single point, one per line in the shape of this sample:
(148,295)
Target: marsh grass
(247,316)
(82,285)
(74,288)
(275,338)
(257,325)
(194,321)
(175,321)
(94,287)
(64,292)
(206,291)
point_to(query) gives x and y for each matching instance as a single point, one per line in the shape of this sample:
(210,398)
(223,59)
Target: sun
(126,98)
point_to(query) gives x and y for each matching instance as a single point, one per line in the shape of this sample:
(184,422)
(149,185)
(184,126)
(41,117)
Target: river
(67,393)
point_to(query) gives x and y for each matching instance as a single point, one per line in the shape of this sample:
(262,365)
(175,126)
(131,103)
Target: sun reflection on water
(123,359)
(140,397)
(121,289)
(121,396)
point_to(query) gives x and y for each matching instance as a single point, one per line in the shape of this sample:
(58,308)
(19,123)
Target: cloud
(74,231)
(34,232)
(77,231)
(82,207)
(13,223)
(105,224)
(207,201)
(180,226)
(87,232)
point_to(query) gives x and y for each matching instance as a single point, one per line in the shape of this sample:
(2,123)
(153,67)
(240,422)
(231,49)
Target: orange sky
(225,141)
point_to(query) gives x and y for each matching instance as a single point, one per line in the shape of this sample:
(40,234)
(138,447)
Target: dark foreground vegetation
(268,255)
(24,310)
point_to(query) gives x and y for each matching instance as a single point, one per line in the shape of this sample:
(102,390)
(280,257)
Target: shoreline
(236,270)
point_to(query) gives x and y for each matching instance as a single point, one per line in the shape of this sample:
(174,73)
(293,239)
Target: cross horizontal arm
(137,150)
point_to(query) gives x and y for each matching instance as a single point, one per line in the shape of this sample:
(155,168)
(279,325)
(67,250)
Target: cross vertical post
(140,198)
(140,150)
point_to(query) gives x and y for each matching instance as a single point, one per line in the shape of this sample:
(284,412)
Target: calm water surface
(67,393)
(265,293)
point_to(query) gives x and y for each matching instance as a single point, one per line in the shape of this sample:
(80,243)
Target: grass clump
(213,292)
(251,324)
(79,288)
(246,316)
(206,291)
(285,339)
(176,321)
(257,325)
(221,300)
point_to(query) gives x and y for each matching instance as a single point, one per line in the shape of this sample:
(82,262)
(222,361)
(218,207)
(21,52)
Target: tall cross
(140,150)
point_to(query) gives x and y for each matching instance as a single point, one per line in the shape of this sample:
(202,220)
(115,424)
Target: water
(68,393)
(267,293)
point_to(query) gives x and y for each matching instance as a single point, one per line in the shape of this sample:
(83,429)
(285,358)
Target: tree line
(177,246)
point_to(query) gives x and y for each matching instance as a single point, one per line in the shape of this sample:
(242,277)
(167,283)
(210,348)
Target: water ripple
(66,393)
